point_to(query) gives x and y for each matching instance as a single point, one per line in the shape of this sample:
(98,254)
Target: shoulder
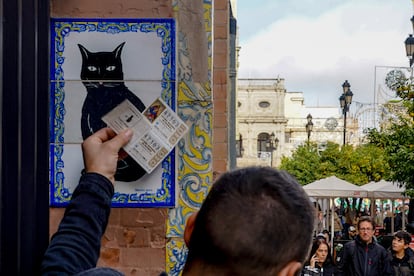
(378,246)
(349,244)
(410,253)
(380,250)
(349,247)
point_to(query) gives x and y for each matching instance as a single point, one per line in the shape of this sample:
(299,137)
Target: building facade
(271,122)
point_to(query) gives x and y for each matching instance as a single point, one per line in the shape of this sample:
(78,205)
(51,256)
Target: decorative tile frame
(195,173)
(156,76)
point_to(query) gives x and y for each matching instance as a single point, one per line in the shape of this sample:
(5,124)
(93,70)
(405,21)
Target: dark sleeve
(387,268)
(342,260)
(76,245)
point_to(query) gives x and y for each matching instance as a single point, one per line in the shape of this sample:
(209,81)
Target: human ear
(291,269)
(189,226)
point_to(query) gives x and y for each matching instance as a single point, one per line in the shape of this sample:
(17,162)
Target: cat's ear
(83,51)
(118,50)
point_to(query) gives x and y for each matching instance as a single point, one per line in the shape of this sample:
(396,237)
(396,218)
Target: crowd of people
(236,231)
(361,254)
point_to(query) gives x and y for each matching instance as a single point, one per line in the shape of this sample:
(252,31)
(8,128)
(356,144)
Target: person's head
(320,248)
(366,228)
(321,236)
(254,221)
(327,235)
(401,241)
(352,232)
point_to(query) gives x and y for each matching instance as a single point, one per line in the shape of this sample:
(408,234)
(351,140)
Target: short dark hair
(367,219)
(254,221)
(403,235)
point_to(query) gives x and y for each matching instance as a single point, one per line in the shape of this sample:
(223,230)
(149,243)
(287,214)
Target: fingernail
(128,133)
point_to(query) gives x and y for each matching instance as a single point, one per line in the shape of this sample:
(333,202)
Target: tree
(304,164)
(358,165)
(398,144)
(397,138)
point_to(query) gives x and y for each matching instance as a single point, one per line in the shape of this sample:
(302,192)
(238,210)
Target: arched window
(262,144)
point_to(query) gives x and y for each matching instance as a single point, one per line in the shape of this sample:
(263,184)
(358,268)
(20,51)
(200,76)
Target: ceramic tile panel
(95,64)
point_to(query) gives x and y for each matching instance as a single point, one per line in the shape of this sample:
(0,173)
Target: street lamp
(345,101)
(409,45)
(271,145)
(309,126)
(409,49)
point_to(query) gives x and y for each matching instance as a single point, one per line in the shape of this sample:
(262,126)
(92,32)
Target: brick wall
(220,86)
(134,242)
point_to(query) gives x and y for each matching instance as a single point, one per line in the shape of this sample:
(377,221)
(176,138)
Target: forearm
(76,245)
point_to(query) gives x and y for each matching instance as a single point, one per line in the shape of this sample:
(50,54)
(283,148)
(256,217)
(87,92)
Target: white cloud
(316,54)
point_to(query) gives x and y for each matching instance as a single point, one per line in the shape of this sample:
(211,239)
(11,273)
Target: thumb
(121,139)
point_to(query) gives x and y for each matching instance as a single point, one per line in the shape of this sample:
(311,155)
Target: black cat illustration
(102,75)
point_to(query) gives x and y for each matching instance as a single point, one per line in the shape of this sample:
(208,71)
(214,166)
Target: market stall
(331,188)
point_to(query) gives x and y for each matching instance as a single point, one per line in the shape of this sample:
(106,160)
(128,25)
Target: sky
(315,45)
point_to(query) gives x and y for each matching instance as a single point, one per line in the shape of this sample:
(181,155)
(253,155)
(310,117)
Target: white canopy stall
(331,188)
(385,190)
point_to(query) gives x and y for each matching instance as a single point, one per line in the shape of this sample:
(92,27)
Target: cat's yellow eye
(110,68)
(92,68)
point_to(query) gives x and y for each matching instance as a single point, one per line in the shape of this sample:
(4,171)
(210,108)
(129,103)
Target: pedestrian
(352,233)
(379,218)
(327,236)
(387,222)
(401,255)
(338,227)
(319,222)
(320,261)
(364,256)
(242,227)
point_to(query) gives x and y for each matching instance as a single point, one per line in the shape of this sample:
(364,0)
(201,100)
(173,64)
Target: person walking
(401,255)
(351,234)
(364,256)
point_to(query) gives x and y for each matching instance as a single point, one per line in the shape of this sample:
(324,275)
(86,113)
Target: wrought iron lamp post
(345,101)
(309,126)
(409,45)
(272,144)
(409,49)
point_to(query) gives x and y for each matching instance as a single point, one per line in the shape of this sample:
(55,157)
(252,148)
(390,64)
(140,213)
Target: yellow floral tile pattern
(194,152)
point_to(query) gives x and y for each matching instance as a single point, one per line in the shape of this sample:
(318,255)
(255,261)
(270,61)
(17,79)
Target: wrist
(312,264)
(96,184)
(111,177)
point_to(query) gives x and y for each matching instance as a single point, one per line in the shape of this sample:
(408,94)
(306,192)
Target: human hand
(313,261)
(100,151)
